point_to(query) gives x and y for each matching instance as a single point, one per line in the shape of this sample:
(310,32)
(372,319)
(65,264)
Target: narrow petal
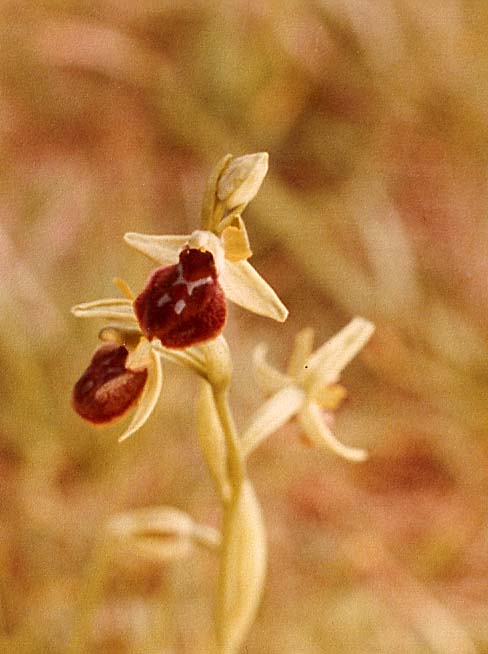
(302,350)
(107,309)
(149,397)
(124,288)
(313,423)
(272,415)
(327,363)
(244,286)
(268,377)
(162,249)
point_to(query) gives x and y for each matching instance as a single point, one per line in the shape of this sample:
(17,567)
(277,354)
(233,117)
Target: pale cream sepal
(212,441)
(272,415)
(267,376)
(242,179)
(149,397)
(312,421)
(108,309)
(244,286)
(326,364)
(302,349)
(243,566)
(162,249)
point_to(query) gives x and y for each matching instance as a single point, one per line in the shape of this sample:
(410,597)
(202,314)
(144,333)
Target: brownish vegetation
(375,115)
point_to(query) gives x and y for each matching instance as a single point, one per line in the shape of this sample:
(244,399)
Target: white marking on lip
(190,286)
(179,306)
(164,299)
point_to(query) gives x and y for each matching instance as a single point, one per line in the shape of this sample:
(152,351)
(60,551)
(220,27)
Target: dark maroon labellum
(183,304)
(107,389)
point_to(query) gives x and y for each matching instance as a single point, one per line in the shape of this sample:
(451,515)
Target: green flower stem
(236,470)
(236,467)
(219,375)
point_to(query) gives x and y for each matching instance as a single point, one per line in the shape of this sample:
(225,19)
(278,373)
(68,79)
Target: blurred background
(375,115)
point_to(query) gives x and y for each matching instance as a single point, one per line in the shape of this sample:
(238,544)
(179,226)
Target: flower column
(179,316)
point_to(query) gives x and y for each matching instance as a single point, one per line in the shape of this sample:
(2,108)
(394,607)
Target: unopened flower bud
(242,179)
(163,533)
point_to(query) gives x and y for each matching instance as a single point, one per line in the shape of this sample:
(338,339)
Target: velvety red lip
(107,389)
(183,304)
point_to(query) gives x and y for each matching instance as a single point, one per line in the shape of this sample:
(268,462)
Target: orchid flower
(126,370)
(309,391)
(238,280)
(225,238)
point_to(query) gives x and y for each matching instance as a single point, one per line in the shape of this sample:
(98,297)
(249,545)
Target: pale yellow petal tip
(163,249)
(356,455)
(276,311)
(132,237)
(124,288)
(282,313)
(315,427)
(244,286)
(365,328)
(139,241)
